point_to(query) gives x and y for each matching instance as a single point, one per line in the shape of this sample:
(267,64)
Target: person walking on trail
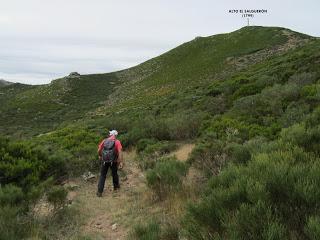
(110,155)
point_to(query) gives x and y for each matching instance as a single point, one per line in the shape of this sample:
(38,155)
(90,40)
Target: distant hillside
(187,68)
(4,83)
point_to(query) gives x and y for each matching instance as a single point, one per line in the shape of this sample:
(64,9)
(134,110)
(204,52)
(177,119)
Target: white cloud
(44,39)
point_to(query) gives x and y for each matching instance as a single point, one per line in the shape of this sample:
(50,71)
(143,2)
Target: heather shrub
(166,177)
(149,231)
(13,224)
(152,230)
(312,229)
(57,196)
(11,195)
(154,152)
(238,153)
(271,197)
(143,144)
(209,157)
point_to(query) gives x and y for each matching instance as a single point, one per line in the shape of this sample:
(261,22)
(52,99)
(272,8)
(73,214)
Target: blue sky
(43,39)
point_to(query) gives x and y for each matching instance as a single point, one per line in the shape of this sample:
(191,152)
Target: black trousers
(103,175)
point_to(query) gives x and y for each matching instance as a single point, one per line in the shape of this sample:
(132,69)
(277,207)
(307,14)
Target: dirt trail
(113,215)
(182,153)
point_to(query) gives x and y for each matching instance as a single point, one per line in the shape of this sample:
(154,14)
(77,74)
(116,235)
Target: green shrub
(132,137)
(214,105)
(256,145)
(11,195)
(72,149)
(184,126)
(170,232)
(313,228)
(269,198)
(13,224)
(155,127)
(312,94)
(302,79)
(57,196)
(265,108)
(153,230)
(309,139)
(26,166)
(238,153)
(166,177)
(226,128)
(154,152)
(209,157)
(313,119)
(150,231)
(294,113)
(62,224)
(160,148)
(248,89)
(143,144)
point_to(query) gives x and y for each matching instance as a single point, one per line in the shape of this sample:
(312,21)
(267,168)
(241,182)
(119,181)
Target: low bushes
(13,224)
(212,155)
(57,196)
(152,230)
(11,195)
(26,166)
(178,126)
(209,157)
(77,147)
(166,176)
(238,153)
(272,194)
(25,174)
(153,151)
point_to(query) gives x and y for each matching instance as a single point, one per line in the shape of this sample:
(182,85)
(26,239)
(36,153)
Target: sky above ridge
(41,40)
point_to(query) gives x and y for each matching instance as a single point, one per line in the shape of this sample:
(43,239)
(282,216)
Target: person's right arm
(120,155)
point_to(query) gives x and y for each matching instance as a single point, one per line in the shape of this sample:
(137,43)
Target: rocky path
(114,214)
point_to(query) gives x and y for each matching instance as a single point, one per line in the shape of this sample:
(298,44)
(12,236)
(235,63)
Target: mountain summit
(186,68)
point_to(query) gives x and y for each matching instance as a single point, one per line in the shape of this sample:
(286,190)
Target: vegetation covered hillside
(4,83)
(249,100)
(183,69)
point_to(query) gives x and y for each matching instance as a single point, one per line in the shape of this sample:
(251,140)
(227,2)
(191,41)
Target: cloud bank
(42,40)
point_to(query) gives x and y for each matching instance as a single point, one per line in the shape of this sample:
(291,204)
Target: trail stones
(98,225)
(114,227)
(70,197)
(71,186)
(88,175)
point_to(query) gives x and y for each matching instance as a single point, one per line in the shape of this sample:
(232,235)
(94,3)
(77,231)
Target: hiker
(109,151)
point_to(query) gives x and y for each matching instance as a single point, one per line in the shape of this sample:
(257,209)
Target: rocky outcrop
(74,75)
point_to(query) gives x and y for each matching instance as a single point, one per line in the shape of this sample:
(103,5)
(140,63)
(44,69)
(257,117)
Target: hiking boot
(115,189)
(99,194)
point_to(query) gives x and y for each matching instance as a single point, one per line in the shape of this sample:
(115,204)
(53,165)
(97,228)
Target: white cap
(113,133)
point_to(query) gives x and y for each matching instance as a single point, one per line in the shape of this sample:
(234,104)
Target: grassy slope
(46,106)
(192,64)
(196,63)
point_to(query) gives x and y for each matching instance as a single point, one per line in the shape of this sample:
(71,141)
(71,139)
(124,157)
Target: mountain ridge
(4,83)
(192,64)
